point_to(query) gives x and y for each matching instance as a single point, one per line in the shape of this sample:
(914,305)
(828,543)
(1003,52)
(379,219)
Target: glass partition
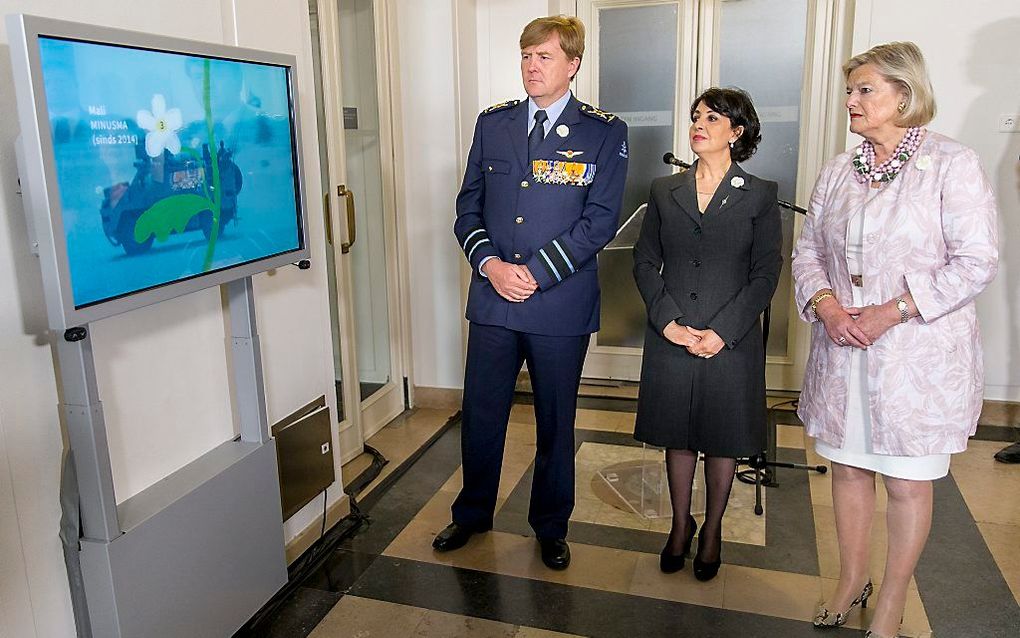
(761,50)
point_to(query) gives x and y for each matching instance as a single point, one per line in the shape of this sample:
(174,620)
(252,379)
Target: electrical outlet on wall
(1009,123)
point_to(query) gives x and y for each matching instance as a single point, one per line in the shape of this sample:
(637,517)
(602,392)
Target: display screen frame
(37,165)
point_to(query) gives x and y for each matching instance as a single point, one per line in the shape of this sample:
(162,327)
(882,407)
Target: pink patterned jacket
(932,231)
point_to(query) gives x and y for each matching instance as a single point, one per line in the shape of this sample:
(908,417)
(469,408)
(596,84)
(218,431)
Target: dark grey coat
(719,271)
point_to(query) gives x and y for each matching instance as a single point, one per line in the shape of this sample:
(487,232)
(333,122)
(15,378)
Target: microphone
(669,158)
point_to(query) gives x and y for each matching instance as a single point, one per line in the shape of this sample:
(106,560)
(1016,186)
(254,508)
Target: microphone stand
(760,472)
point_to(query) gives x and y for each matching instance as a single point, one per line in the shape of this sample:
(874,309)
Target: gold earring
(901,107)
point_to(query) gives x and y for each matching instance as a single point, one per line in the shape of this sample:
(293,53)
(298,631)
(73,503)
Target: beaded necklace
(864,158)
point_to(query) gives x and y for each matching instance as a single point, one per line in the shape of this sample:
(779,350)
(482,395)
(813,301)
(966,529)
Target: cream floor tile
(587,510)
(915,619)
(513,555)
(522,413)
(437,509)
(790,436)
(1001,413)
(604,420)
(682,587)
(1003,541)
(455,482)
(785,595)
(403,437)
(612,516)
(779,594)
(355,617)
(584,419)
(351,469)
(532,632)
(520,432)
(626,391)
(438,624)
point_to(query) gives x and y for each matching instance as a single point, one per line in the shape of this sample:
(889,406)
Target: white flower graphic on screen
(162,126)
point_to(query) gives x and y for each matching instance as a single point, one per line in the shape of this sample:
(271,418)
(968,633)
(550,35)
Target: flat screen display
(168,166)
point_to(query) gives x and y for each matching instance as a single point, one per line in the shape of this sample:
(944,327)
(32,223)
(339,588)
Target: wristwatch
(901,305)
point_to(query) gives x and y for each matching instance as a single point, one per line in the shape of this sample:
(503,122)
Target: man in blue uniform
(541,196)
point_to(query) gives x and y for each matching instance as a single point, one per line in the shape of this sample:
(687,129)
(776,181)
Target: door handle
(352,224)
(327,213)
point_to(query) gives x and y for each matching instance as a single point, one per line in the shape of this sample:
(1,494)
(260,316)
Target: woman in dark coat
(707,263)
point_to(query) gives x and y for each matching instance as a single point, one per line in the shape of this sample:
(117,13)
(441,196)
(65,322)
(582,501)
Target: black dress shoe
(453,537)
(671,563)
(555,553)
(1009,454)
(706,571)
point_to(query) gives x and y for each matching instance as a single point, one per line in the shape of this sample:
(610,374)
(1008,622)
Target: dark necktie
(537,134)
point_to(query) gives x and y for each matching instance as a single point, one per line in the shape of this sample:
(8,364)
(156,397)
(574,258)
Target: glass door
(641,66)
(355,138)
(648,61)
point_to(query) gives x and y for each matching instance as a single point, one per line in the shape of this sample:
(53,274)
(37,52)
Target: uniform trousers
(494,358)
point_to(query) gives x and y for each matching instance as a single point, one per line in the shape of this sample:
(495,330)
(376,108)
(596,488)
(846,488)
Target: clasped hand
(700,343)
(513,282)
(856,327)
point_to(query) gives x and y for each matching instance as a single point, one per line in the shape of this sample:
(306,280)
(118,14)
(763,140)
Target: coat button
(490,169)
(694,296)
(525,184)
(697,230)
(519,220)
(696,262)
(517,255)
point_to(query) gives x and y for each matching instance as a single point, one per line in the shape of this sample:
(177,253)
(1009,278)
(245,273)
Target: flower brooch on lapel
(923,162)
(737,182)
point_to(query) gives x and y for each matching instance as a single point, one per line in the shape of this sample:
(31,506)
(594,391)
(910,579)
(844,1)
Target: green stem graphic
(214,232)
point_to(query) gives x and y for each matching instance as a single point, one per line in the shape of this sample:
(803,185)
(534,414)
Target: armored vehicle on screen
(163,176)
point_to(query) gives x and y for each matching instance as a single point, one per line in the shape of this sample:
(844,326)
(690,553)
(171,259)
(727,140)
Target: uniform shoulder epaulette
(502,106)
(596,113)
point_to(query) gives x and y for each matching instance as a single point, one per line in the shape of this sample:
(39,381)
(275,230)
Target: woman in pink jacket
(899,240)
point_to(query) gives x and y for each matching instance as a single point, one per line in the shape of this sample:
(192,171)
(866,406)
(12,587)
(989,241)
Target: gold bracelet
(816,300)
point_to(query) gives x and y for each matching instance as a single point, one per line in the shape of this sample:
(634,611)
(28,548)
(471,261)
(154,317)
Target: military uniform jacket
(552,214)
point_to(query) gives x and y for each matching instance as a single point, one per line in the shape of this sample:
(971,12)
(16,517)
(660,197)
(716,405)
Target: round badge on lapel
(562,130)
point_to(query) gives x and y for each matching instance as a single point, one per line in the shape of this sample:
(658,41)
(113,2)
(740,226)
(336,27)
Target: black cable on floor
(304,566)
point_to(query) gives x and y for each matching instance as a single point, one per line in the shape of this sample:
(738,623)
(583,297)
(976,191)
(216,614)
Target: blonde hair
(569,28)
(902,64)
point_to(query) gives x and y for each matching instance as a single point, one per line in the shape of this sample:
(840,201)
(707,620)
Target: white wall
(428,156)
(452,54)
(162,370)
(972,57)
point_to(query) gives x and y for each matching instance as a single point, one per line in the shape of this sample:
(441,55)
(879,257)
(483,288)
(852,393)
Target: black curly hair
(735,104)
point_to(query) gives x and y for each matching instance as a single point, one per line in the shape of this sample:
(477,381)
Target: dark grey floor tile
(961,587)
(300,613)
(562,608)
(340,571)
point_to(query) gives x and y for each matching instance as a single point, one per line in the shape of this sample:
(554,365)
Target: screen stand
(200,551)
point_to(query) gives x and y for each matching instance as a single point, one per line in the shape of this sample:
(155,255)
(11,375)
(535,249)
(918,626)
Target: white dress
(857,450)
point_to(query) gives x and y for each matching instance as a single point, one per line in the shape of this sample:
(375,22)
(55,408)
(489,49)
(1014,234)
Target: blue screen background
(95,96)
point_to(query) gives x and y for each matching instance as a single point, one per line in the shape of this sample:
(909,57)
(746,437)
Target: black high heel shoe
(707,571)
(671,563)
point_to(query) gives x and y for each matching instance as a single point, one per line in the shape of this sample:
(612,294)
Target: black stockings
(719,470)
